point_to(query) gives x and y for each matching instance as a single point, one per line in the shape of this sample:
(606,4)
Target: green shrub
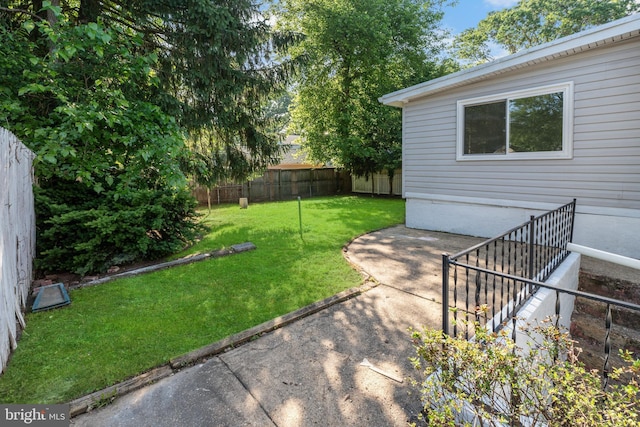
(497,383)
(86,232)
(84,99)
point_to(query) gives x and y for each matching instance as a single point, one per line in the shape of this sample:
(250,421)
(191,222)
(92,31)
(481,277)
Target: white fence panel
(17,238)
(377,183)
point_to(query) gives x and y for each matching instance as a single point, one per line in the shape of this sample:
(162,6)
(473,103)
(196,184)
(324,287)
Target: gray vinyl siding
(604,170)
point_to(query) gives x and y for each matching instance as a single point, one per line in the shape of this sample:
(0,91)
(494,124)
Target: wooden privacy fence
(17,238)
(378,183)
(279,184)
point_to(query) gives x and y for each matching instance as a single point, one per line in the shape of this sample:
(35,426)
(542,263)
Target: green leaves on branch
(492,382)
(356,51)
(217,60)
(82,233)
(107,94)
(533,22)
(84,99)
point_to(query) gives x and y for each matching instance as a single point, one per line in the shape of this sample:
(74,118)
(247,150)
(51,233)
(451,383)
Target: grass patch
(122,328)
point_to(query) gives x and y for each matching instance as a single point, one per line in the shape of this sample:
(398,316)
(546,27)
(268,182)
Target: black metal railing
(492,280)
(609,304)
(499,275)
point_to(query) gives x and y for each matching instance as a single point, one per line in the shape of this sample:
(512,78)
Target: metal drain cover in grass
(51,296)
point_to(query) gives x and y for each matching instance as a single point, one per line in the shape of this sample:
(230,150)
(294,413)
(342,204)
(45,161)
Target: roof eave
(596,37)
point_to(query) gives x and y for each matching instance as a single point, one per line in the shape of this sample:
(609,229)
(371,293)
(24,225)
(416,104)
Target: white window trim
(567,124)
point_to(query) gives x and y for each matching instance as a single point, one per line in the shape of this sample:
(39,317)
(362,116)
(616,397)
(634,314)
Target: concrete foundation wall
(543,303)
(540,307)
(611,230)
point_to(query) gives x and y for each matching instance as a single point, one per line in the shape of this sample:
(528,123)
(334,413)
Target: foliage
(83,234)
(106,93)
(498,384)
(110,332)
(356,51)
(278,111)
(534,22)
(216,59)
(102,145)
(213,64)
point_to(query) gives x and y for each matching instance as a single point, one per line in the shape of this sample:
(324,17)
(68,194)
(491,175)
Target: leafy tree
(534,22)
(355,51)
(216,60)
(106,93)
(110,190)
(215,69)
(277,110)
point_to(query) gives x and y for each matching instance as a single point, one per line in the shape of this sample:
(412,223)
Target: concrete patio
(305,369)
(309,372)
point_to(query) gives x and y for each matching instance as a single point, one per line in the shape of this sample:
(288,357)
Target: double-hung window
(527,124)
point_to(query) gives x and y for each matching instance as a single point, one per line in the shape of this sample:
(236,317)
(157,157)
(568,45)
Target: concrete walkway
(309,372)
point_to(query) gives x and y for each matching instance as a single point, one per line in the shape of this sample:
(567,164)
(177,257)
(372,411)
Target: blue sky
(467,13)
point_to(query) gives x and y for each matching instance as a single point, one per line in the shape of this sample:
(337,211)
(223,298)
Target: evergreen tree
(107,92)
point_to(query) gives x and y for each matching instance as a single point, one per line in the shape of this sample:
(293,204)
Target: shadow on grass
(125,327)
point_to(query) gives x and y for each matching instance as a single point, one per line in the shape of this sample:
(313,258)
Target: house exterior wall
(485,197)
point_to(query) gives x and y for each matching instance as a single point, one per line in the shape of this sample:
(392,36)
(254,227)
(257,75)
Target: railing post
(532,236)
(445,293)
(573,219)
(607,348)
(557,309)
(556,349)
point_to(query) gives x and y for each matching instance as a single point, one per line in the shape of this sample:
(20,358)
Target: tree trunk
(51,17)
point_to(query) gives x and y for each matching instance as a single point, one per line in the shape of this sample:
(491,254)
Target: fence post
(445,293)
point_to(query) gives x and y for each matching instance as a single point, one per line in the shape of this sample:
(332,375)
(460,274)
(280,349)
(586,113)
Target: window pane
(485,128)
(535,123)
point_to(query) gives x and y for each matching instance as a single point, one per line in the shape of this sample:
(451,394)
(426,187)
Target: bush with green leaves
(87,234)
(489,381)
(85,98)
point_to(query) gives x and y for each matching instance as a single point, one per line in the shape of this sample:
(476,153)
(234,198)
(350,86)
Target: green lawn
(116,330)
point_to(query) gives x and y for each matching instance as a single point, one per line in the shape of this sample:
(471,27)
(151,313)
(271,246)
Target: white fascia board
(612,32)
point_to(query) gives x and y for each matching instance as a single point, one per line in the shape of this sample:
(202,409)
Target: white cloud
(501,3)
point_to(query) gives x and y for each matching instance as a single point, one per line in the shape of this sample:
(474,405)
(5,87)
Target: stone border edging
(105,396)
